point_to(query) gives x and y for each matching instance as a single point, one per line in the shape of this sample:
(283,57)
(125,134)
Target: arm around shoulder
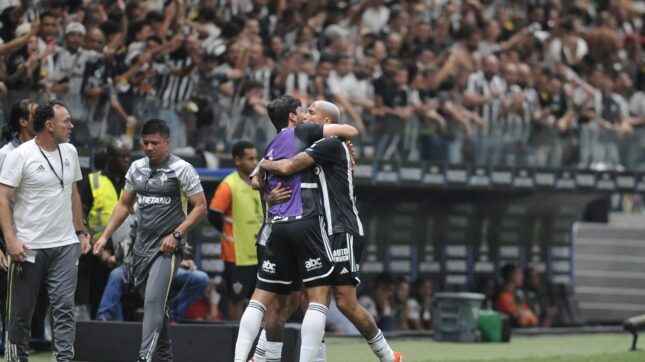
(289,166)
(340,130)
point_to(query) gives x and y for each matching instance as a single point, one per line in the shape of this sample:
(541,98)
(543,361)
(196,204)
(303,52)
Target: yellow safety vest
(247,219)
(105,200)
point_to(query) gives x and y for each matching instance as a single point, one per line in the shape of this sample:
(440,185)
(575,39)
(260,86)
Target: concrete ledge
(194,342)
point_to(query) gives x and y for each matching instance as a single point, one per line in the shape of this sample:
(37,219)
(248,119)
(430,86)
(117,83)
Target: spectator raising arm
(19,42)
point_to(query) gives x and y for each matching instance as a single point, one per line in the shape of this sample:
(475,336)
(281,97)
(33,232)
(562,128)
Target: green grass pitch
(605,347)
(570,348)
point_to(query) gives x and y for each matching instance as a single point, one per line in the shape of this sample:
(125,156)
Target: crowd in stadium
(532,82)
(537,82)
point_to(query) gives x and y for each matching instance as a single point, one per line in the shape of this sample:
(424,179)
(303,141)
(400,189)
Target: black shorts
(229,276)
(347,253)
(295,286)
(240,281)
(296,250)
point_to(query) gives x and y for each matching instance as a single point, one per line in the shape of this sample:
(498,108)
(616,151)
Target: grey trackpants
(58,268)
(156,323)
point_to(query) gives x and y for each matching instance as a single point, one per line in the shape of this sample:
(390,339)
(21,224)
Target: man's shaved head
(328,109)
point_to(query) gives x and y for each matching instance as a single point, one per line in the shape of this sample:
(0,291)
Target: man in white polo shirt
(44,230)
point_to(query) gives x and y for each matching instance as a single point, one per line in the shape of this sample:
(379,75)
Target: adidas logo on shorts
(344,271)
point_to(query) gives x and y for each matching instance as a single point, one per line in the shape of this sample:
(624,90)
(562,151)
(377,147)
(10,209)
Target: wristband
(82,231)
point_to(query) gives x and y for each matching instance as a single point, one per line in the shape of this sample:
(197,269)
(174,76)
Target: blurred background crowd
(522,82)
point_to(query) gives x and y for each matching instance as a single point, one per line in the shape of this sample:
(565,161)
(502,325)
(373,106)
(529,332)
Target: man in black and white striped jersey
(484,93)
(175,85)
(530,109)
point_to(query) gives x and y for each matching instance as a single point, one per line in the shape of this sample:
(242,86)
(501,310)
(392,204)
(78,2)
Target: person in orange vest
(236,211)
(511,300)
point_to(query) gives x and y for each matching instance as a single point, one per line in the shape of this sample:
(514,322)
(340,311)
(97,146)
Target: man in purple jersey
(295,232)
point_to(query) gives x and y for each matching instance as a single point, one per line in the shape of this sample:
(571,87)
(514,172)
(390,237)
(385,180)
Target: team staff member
(160,182)
(236,211)
(19,129)
(43,241)
(100,192)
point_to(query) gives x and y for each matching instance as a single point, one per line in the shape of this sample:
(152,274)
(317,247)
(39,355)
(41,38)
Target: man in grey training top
(160,183)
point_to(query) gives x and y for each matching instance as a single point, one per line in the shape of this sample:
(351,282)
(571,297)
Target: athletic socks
(266,351)
(381,349)
(260,348)
(249,327)
(312,331)
(274,351)
(322,352)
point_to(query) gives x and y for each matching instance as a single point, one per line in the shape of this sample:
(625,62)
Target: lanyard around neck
(62,168)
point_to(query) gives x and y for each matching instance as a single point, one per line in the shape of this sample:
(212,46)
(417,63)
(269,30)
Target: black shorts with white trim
(295,250)
(347,253)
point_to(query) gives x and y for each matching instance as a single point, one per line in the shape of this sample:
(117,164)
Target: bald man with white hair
(328,112)
(332,159)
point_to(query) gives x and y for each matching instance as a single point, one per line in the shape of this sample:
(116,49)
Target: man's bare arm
(77,208)
(120,213)
(196,214)
(16,249)
(6,218)
(289,166)
(340,130)
(77,219)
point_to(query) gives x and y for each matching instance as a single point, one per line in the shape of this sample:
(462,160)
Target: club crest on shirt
(237,287)
(163,178)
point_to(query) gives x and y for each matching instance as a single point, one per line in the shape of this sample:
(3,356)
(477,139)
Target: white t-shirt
(373,19)
(42,209)
(4,151)
(637,104)
(555,52)
(71,66)
(342,84)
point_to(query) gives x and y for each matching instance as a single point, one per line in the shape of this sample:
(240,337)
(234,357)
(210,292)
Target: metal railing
(215,127)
